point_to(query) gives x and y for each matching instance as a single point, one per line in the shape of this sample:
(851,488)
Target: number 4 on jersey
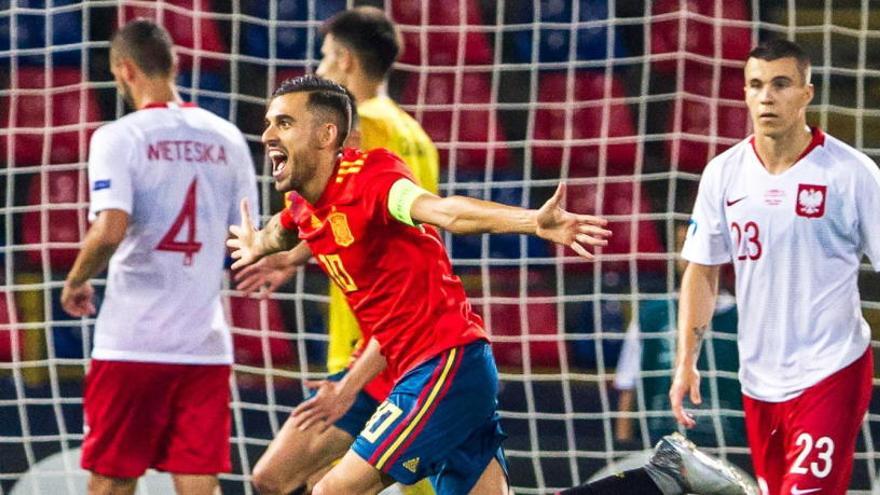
(186,216)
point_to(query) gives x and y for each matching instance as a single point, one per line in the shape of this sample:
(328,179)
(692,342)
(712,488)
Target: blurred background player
(371,229)
(157,389)
(649,346)
(795,209)
(360,46)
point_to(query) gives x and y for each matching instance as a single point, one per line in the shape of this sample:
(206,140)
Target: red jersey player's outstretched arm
(273,270)
(99,245)
(249,244)
(463,215)
(699,286)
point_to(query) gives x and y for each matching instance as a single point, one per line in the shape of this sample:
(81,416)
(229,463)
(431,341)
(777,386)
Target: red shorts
(806,444)
(170,417)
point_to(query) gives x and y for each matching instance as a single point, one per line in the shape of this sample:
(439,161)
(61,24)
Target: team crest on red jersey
(811,200)
(341,233)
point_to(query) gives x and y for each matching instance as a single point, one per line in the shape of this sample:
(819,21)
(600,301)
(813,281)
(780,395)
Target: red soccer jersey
(398,279)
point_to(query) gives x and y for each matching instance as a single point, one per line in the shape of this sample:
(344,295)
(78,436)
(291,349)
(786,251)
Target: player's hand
(324,408)
(267,274)
(77,299)
(245,239)
(686,381)
(578,232)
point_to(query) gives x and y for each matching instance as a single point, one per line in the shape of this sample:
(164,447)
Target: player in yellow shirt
(359,47)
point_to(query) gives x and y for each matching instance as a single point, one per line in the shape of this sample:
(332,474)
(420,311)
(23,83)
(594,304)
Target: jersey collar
(169,104)
(817,140)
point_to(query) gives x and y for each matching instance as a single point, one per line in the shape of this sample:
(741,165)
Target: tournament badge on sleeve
(811,200)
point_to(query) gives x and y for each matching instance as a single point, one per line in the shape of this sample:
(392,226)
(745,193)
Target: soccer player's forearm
(93,258)
(369,364)
(699,287)
(274,237)
(464,215)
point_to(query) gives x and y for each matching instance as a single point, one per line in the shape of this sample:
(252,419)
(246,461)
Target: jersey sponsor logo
(811,200)
(801,491)
(187,151)
(774,197)
(101,184)
(412,465)
(341,233)
(735,201)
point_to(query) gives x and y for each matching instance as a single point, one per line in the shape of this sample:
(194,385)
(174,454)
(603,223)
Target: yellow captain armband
(400,200)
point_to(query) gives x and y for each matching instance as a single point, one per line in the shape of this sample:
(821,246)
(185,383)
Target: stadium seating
(218,103)
(731,117)
(180,18)
(64,225)
(618,201)
(31,27)
(8,319)
(583,112)
(446,21)
(245,314)
(505,321)
(290,31)
(554,43)
(700,36)
(69,104)
(476,131)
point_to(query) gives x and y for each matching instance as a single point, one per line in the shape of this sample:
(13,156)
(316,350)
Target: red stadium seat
(246,314)
(732,117)
(8,320)
(66,225)
(506,325)
(475,129)
(445,23)
(700,35)
(583,112)
(179,18)
(72,105)
(618,200)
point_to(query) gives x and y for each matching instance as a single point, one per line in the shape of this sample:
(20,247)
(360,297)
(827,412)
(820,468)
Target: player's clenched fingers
(590,240)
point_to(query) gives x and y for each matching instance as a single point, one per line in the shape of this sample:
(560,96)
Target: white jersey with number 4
(179,172)
(796,240)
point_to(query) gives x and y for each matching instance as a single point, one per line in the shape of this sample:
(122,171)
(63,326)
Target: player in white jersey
(165,182)
(795,210)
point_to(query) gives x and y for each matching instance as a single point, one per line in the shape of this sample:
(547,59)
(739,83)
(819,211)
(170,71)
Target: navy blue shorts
(353,421)
(439,421)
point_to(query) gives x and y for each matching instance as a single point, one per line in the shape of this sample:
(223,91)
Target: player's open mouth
(279,160)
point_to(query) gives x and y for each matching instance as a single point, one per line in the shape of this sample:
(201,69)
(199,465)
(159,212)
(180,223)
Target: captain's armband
(400,199)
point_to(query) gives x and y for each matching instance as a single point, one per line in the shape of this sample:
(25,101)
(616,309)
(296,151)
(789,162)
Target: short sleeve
(110,162)
(246,187)
(707,241)
(868,210)
(381,171)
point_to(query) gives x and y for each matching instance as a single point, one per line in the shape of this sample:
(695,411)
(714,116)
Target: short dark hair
(781,48)
(369,34)
(148,45)
(333,100)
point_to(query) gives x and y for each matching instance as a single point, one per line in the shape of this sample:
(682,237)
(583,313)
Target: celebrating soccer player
(157,389)
(372,230)
(360,45)
(794,209)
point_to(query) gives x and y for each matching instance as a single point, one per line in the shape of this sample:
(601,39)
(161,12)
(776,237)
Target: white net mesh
(624,100)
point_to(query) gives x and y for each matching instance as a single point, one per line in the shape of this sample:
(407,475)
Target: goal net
(625,101)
